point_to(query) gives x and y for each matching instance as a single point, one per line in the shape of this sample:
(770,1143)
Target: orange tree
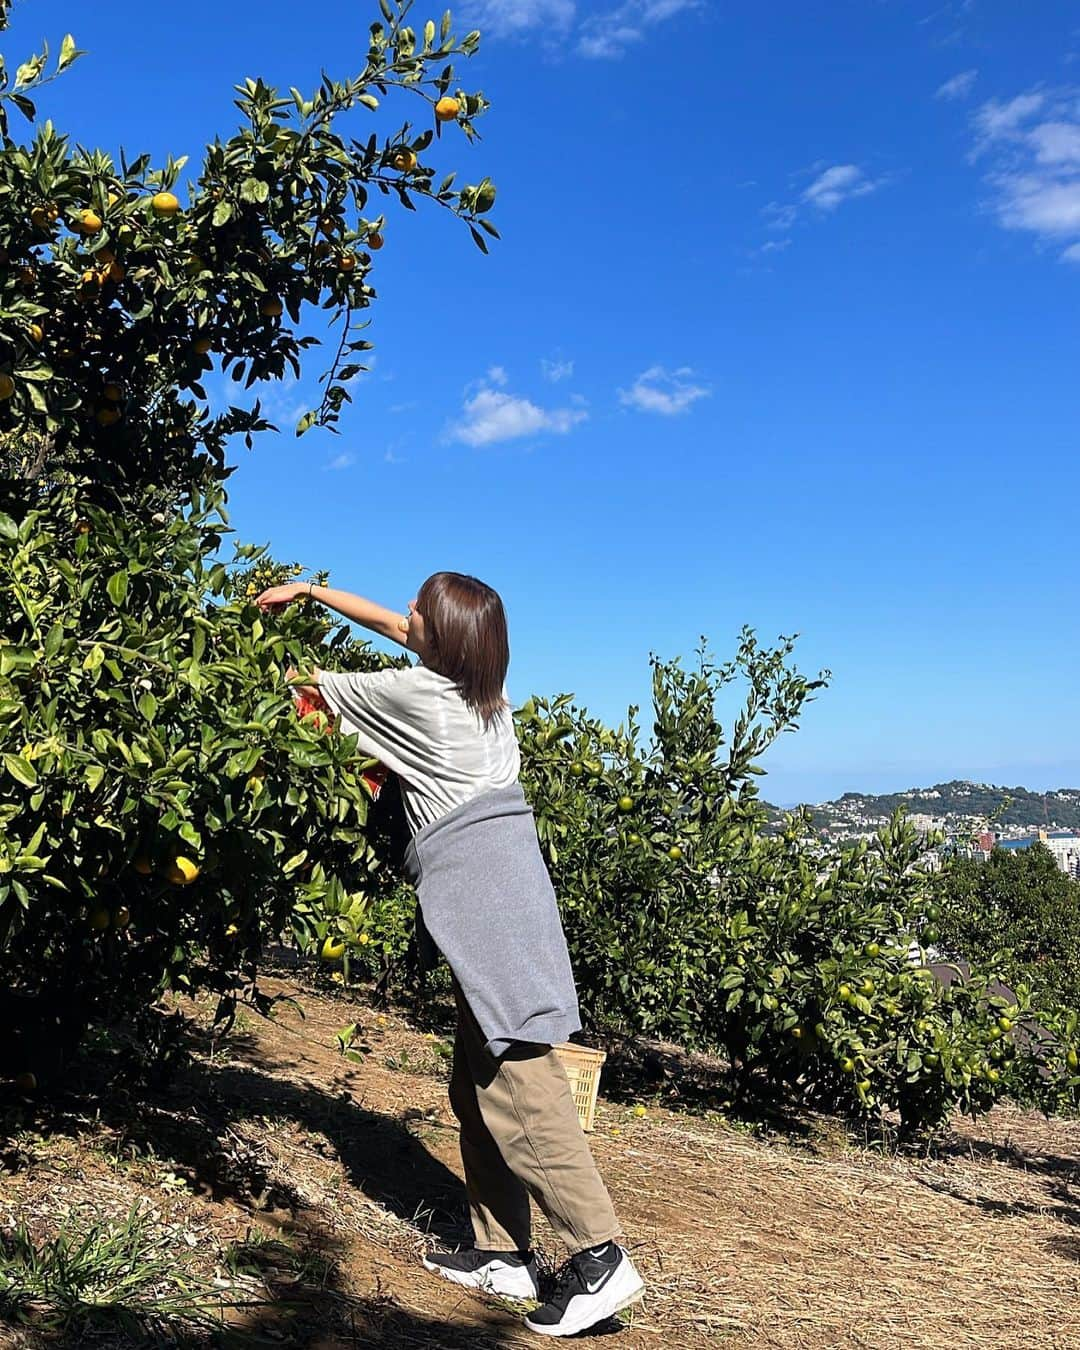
(689,919)
(119,290)
(164,810)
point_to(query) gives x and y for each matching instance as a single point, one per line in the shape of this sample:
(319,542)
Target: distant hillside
(955,806)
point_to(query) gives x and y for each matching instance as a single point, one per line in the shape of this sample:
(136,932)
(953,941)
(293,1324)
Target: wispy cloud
(556,370)
(604,36)
(342,461)
(490,416)
(1030,145)
(839,184)
(513,18)
(658,390)
(960,86)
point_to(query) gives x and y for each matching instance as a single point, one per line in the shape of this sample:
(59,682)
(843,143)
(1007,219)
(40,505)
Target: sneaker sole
(621,1294)
(484,1284)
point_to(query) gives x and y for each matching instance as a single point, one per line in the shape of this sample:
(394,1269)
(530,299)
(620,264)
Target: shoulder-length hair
(465,630)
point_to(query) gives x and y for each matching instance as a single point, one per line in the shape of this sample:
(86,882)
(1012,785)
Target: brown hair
(465,628)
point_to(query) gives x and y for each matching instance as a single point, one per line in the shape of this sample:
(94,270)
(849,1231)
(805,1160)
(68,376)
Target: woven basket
(582,1067)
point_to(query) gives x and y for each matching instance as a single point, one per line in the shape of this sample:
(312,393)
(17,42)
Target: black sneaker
(509,1274)
(593,1286)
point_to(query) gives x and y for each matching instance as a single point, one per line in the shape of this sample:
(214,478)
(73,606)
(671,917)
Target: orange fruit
(347,262)
(107,417)
(447,109)
(99,919)
(271,308)
(88,222)
(7,386)
(122,917)
(164,204)
(25,1083)
(143,865)
(181,871)
(323,249)
(114,393)
(116,271)
(43,217)
(36,333)
(405,160)
(27,277)
(201,345)
(329,224)
(332,951)
(374,240)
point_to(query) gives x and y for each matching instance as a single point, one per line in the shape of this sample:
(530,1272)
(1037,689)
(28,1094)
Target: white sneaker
(593,1286)
(508,1274)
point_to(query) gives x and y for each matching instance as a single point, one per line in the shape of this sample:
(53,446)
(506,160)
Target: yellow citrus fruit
(7,386)
(25,1083)
(447,109)
(332,951)
(640,1112)
(143,865)
(405,160)
(271,308)
(99,919)
(36,333)
(364,939)
(347,262)
(90,278)
(164,204)
(674,853)
(122,917)
(181,871)
(107,417)
(626,804)
(116,271)
(42,217)
(114,393)
(88,222)
(375,240)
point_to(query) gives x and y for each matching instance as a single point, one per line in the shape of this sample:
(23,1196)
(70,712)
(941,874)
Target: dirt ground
(337,1174)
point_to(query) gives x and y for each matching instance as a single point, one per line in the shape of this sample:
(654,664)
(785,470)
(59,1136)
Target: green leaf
(369,101)
(223,213)
(8,528)
(117,587)
(94,775)
(148,706)
(253,190)
(21,769)
(68,52)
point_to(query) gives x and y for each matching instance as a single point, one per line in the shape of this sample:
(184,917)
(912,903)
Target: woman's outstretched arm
(364,612)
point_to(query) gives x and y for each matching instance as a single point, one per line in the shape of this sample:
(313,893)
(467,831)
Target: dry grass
(336,1175)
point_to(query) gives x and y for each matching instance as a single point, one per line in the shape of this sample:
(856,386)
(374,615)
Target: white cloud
(607,36)
(1072,254)
(774,245)
(342,461)
(491,416)
(556,370)
(996,119)
(837,185)
(1030,145)
(959,86)
(497,375)
(512,18)
(658,390)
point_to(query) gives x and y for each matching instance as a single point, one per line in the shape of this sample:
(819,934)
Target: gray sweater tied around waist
(487,902)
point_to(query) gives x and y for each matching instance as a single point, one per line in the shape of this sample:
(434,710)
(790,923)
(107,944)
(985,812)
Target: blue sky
(782,331)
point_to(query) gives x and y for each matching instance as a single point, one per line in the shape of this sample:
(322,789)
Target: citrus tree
(690,919)
(165,810)
(121,287)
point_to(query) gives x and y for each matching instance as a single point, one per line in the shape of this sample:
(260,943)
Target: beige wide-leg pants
(521,1136)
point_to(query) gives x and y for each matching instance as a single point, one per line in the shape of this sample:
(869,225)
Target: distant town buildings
(1063,844)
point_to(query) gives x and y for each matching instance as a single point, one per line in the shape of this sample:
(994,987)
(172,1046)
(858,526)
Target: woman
(445,728)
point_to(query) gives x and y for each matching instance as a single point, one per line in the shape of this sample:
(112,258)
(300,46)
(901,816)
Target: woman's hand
(277,597)
(292,675)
